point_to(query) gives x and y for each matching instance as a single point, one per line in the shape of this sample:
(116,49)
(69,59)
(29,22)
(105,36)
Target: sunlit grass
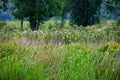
(17,24)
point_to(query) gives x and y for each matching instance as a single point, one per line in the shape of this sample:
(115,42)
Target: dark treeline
(83,12)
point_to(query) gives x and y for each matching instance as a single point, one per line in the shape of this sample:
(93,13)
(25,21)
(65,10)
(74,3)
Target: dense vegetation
(86,12)
(51,53)
(84,47)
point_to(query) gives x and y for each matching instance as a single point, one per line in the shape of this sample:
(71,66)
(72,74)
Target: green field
(54,53)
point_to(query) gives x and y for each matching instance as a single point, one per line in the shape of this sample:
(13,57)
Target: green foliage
(114,7)
(110,47)
(37,10)
(60,54)
(85,12)
(112,4)
(3,4)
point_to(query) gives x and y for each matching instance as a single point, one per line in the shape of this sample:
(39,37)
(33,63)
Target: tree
(85,12)
(66,8)
(3,4)
(63,13)
(114,7)
(19,10)
(38,10)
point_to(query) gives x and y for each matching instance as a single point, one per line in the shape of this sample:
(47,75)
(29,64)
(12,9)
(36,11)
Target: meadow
(54,53)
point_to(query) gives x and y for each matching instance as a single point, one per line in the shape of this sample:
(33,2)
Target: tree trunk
(21,24)
(33,24)
(62,23)
(63,18)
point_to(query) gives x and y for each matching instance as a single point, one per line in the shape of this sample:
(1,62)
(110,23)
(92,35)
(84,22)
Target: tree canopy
(36,10)
(85,12)
(114,7)
(3,4)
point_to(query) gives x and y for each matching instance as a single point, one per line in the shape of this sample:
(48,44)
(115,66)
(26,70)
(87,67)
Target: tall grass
(52,53)
(67,62)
